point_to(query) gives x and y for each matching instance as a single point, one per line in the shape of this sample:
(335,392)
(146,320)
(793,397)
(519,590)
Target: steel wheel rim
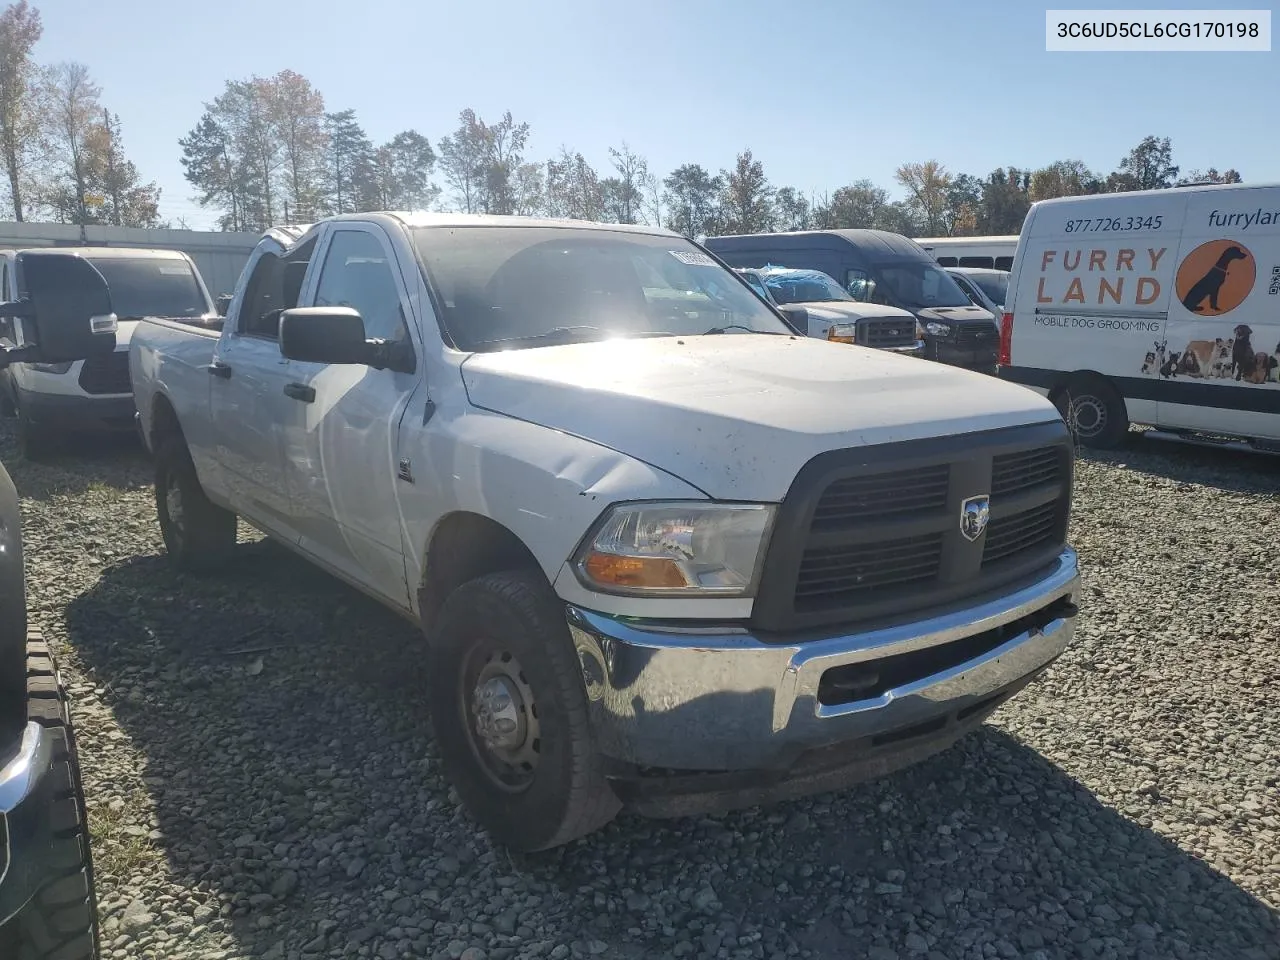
(173,506)
(1095,409)
(500,716)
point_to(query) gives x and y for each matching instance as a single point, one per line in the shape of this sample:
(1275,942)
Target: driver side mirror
(65,312)
(336,335)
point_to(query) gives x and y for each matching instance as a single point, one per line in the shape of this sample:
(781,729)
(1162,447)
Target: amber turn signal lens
(635,572)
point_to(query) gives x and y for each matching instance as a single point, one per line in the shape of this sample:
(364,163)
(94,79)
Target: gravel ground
(263,784)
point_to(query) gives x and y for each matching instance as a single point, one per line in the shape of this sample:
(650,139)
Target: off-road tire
(1095,412)
(204,537)
(569,795)
(61,921)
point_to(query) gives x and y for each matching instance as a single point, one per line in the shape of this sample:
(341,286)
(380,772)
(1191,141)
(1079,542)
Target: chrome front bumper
(723,699)
(26,828)
(23,773)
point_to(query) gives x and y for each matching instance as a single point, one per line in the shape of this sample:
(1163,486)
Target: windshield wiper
(737,326)
(558,335)
(554,335)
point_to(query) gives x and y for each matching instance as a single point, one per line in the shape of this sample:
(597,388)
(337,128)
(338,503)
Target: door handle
(220,370)
(300,391)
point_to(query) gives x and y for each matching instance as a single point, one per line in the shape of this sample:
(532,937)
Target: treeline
(62,150)
(268,150)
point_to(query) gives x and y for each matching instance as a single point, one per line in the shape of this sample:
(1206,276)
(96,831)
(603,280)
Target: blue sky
(823,92)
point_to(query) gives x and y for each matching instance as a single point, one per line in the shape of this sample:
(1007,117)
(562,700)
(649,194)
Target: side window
(1004,263)
(273,288)
(859,284)
(356,274)
(260,312)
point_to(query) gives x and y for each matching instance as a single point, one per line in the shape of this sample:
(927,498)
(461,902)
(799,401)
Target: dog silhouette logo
(1216,277)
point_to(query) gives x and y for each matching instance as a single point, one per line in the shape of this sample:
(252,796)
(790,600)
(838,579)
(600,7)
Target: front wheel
(1095,412)
(198,534)
(61,921)
(510,714)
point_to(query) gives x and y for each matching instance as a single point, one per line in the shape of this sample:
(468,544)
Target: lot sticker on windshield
(693,258)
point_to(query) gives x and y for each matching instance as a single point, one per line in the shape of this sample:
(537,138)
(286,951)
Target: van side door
(1224,316)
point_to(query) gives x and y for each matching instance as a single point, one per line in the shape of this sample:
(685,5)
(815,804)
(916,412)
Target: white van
(1158,307)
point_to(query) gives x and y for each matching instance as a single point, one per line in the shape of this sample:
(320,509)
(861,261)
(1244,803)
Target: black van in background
(880,267)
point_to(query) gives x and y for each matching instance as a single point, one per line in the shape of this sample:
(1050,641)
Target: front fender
(546,487)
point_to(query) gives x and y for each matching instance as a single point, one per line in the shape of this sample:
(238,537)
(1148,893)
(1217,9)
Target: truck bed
(173,355)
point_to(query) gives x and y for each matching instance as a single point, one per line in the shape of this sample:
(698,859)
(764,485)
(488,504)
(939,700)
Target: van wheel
(198,534)
(1095,412)
(510,714)
(61,921)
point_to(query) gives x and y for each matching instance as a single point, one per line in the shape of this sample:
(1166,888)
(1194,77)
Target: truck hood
(837,311)
(738,415)
(953,314)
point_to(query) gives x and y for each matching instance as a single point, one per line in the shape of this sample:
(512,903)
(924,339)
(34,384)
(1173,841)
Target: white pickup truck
(664,553)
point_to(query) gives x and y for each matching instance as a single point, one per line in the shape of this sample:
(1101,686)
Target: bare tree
(20,28)
(482,162)
(73,112)
(295,121)
(624,194)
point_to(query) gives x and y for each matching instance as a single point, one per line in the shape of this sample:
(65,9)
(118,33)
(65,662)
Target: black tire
(566,795)
(198,534)
(61,921)
(1095,412)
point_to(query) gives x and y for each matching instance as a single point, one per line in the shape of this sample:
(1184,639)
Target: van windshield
(151,287)
(516,287)
(920,284)
(804,286)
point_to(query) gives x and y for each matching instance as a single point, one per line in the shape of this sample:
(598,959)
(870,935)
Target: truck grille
(106,374)
(977,333)
(887,332)
(875,533)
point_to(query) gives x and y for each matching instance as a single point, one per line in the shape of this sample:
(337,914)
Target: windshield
(504,287)
(804,286)
(151,287)
(918,284)
(994,285)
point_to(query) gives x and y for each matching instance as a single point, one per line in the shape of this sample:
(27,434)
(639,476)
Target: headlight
(680,548)
(58,368)
(843,332)
(938,329)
